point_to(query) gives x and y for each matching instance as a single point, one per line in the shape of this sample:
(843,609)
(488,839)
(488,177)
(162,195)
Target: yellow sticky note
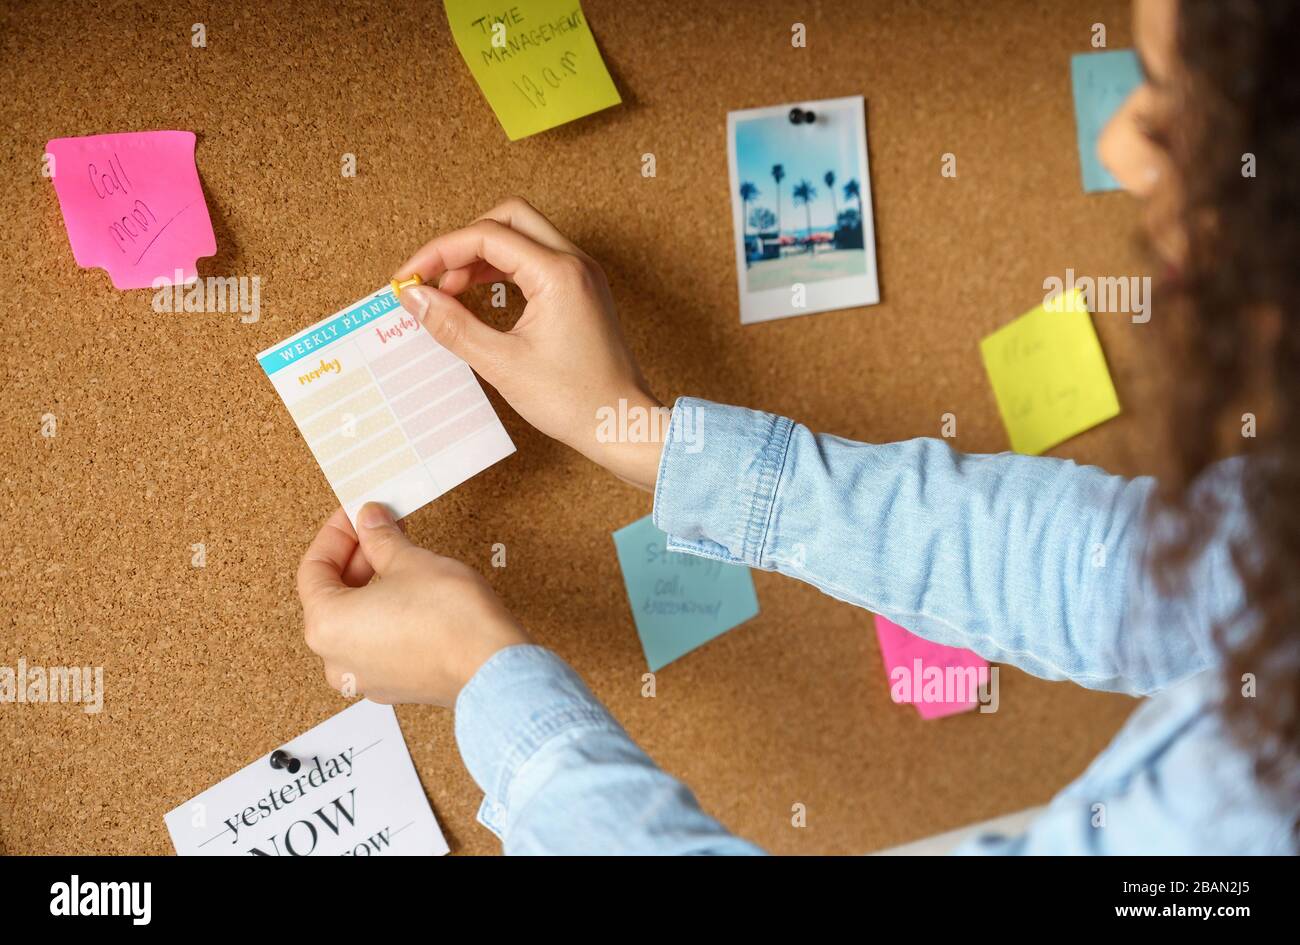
(535,60)
(1049,375)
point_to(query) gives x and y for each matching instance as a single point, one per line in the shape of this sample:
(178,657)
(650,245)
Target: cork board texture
(169,435)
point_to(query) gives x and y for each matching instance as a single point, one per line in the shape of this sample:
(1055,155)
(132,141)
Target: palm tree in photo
(829,178)
(747,193)
(778,175)
(853,192)
(804,192)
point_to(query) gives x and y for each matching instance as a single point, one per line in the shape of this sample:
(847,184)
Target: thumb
(454,326)
(381,539)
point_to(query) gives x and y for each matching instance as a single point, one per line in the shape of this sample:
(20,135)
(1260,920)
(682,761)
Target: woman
(1198,605)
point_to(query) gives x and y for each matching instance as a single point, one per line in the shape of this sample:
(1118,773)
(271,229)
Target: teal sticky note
(1101,81)
(679,601)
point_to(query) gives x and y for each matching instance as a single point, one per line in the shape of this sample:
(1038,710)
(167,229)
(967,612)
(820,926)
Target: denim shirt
(1029,561)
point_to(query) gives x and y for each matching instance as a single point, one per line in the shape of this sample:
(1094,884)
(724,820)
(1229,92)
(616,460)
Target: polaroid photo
(801,207)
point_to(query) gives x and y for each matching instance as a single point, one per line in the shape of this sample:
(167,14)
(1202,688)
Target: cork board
(168,435)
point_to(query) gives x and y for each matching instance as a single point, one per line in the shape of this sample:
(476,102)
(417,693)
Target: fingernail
(415,299)
(374,515)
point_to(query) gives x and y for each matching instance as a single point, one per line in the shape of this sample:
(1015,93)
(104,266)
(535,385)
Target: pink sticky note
(910,664)
(132,205)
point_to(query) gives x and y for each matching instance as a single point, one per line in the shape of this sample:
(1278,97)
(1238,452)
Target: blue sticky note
(679,601)
(1102,81)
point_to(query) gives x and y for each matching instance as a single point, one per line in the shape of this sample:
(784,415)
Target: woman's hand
(564,367)
(418,634)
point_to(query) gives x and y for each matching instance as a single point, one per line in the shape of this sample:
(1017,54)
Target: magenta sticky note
(938,680)
(132,205)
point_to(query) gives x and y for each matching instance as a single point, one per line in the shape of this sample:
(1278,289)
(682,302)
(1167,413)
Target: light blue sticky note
(679,601)
(1102,81)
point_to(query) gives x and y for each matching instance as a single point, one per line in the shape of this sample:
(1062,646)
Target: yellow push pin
(399,286)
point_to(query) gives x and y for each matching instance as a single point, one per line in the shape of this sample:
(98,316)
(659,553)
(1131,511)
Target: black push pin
(281,759)
(799,116)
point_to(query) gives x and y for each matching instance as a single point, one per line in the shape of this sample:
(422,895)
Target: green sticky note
(1049,375)
(535,60)
(679,601)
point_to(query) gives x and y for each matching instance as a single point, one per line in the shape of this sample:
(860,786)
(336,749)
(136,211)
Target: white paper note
(390,415)
(355,794)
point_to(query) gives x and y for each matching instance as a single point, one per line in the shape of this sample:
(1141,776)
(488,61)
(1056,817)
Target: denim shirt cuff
(717,479)
(520,699)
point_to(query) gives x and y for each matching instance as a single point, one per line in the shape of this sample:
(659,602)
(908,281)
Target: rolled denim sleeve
(559,774)
(717,479)
(1032,561)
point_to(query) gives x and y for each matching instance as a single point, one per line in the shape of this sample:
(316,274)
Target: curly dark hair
(1238,347)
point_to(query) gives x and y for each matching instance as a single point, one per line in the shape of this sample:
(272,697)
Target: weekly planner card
(390,415)
(354,793)
(679,601)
